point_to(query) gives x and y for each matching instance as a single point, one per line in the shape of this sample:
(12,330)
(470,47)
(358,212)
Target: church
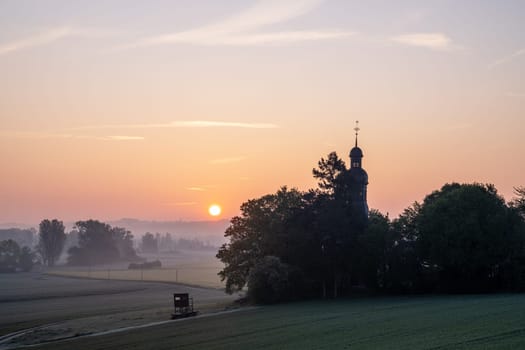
(357,180)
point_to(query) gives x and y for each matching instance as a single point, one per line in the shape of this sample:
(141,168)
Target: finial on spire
(356,131)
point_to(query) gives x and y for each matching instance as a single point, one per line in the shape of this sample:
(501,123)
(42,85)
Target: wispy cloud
(221,124)
(281,37)
(53,135)
(46,37)
(241,29)
(197,189)
(183,124)
(228,160)
(433,41)
(508,58)
(38,39)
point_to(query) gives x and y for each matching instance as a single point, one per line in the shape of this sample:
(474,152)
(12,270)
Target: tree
(260,231)
(27,259)
(124,242)
(467,235)
(52,237)
(329,172)
(372,246)
(271,281)
(13,258)
(149,243)
(100,243)
(519,201)
(403,268)
(9,255)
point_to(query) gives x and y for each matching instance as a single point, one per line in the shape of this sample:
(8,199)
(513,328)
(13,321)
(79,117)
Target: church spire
(356,131)
(358,181)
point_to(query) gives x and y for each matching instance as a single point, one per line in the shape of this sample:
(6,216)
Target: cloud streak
(241,29)
(183,124)
(508,58)
(221,124)
(38,39)
(197,189)
(432,41)
(52,135)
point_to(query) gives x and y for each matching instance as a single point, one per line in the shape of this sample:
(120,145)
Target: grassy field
(443,322)
(190,268)
(64,307)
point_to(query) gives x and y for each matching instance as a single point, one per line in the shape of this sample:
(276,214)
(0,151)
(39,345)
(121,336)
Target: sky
(157,109)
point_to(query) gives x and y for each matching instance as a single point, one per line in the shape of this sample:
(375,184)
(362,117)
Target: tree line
(293,244)
(155,243)
(94,242)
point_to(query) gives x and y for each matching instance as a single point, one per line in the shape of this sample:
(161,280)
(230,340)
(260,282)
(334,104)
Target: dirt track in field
(56,307)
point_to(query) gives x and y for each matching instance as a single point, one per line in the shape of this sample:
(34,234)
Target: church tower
(358,180)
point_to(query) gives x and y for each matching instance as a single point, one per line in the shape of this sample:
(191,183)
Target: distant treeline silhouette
(154,243)
(462,238)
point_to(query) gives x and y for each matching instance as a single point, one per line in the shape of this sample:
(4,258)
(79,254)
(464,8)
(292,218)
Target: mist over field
(207,231)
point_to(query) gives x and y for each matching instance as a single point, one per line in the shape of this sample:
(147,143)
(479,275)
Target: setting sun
(214,210)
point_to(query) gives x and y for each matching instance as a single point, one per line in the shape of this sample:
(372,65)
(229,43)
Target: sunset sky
(157,109)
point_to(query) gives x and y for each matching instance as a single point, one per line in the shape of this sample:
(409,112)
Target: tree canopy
(99,243)
(461,238)
(52,237)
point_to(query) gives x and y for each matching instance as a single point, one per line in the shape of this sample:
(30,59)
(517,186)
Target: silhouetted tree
(100,243)
(271,281)
(260,231)
(27,259)
(328,173)
(519,201)
(124,242)
(150,243)
(52,237)
(13,258)
(467,235)
(166,242)
(371,252)
(9,255)
(403,268)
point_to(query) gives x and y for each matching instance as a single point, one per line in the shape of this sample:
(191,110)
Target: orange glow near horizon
(96,123)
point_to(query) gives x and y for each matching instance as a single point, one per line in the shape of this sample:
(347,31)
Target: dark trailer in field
(183,306)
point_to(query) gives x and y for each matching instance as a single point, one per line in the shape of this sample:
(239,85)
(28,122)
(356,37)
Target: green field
(437,322)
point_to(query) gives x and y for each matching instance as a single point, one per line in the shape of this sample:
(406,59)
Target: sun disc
(214,210)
